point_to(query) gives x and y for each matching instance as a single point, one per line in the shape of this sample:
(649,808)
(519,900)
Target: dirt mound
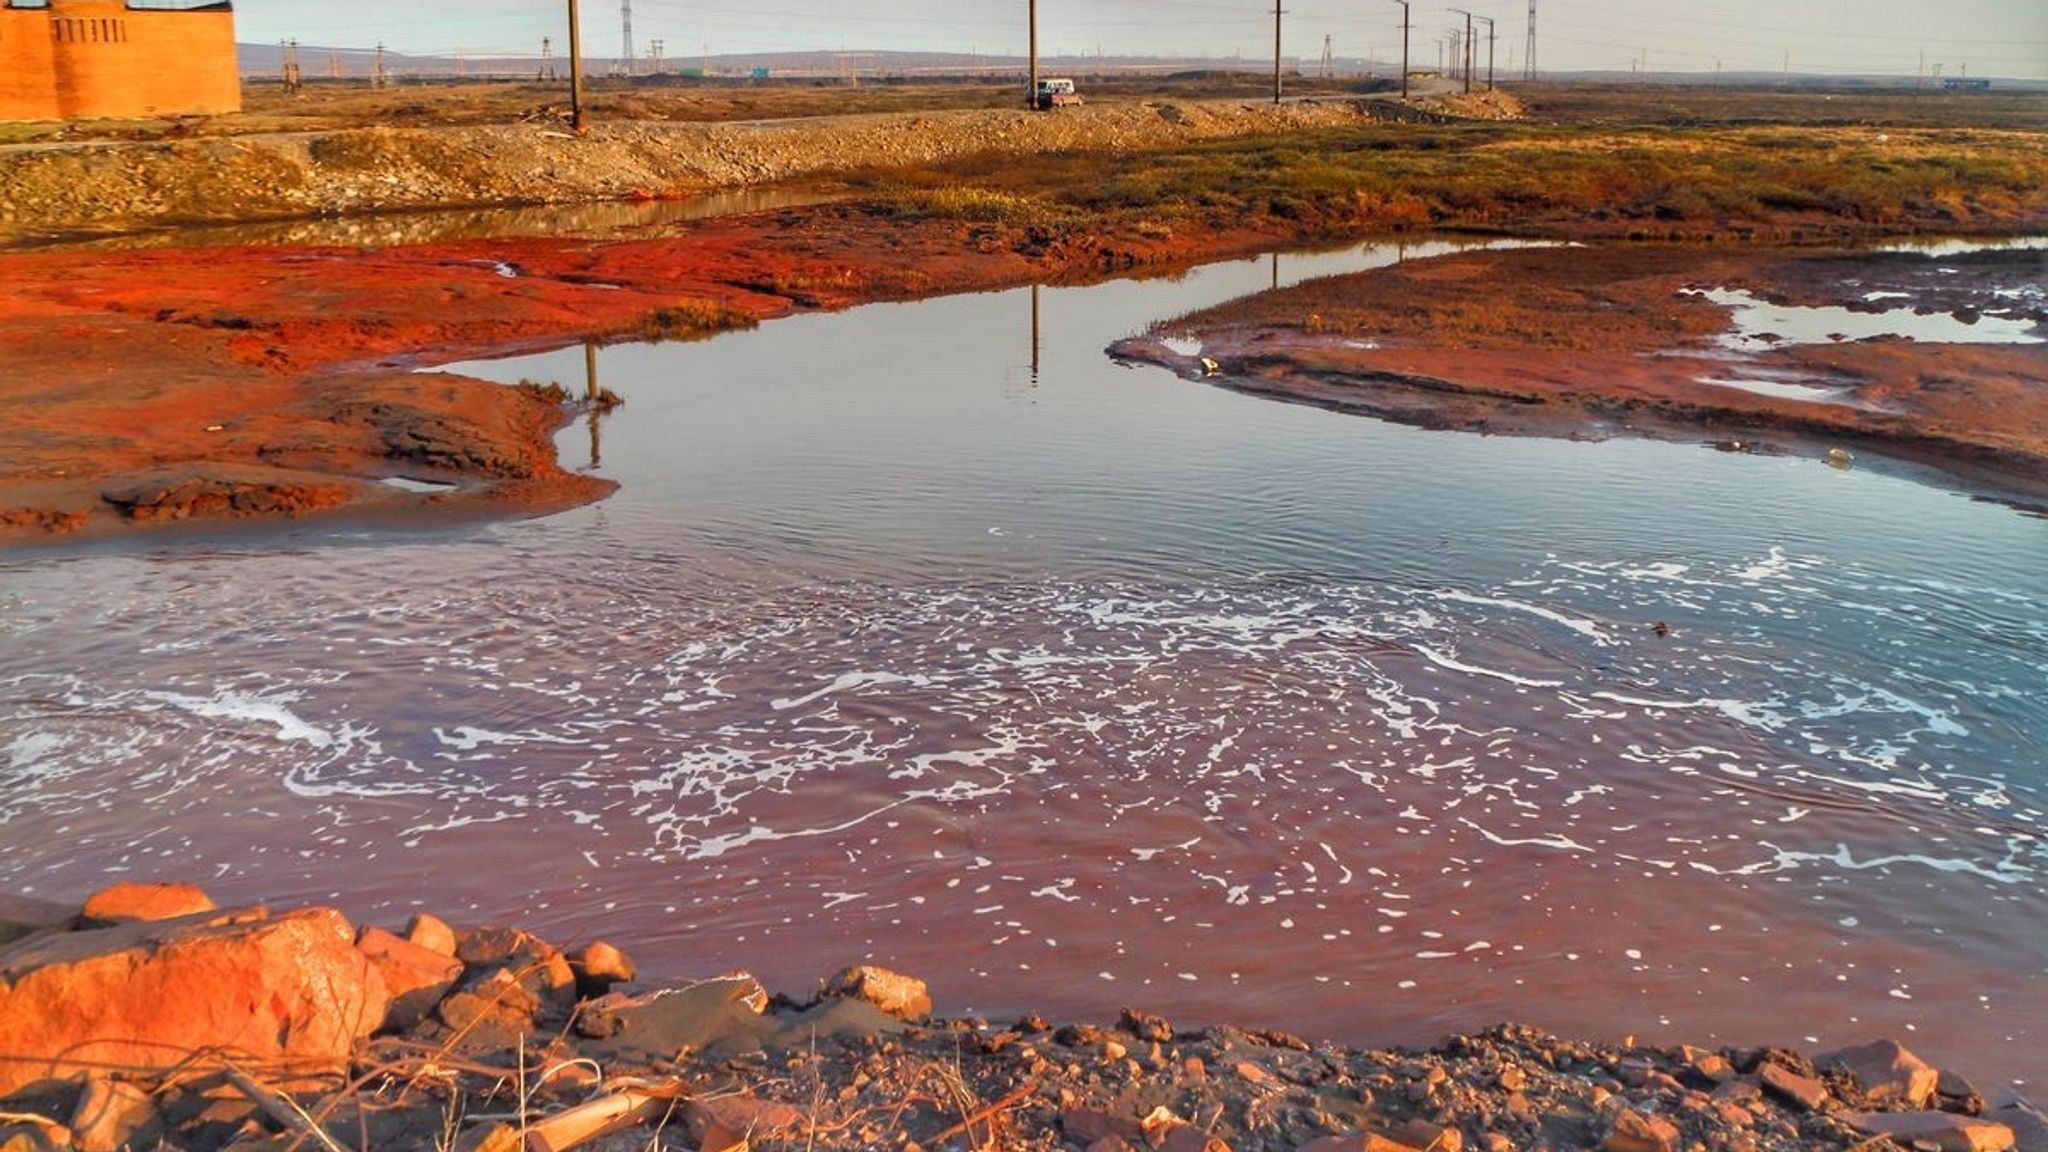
(56,189)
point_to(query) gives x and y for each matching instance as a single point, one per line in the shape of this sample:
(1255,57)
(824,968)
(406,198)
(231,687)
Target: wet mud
(1932,360)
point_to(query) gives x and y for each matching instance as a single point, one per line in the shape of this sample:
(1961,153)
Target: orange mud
(1589,343)
(183,384)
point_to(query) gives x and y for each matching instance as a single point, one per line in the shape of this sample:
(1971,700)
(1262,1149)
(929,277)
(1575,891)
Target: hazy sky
(1991,37)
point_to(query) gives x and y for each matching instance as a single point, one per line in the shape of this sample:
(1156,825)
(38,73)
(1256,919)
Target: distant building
(68,59)
(1967,84)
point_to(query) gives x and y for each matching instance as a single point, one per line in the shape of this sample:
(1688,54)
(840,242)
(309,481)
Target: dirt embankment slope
(65,188)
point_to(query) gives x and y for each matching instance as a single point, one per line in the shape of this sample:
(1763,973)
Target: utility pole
(576,124)
(1489,52)
(1404,47)
(379,77)
(1031,93)
(333,64)
(626,36)
(1529,57)
(1329,66)
(1276,51)
(1468,48)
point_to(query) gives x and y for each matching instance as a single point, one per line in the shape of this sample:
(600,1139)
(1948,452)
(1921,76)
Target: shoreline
(149,1013)
(180,386)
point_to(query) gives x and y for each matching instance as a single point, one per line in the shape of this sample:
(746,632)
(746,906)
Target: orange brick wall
(97,58)
(28,66)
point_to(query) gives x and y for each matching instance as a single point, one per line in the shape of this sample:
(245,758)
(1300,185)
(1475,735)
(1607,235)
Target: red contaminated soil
(146,387)
(1596,342)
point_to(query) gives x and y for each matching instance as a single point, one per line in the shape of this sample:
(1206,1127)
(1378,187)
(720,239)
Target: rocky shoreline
(149,1018)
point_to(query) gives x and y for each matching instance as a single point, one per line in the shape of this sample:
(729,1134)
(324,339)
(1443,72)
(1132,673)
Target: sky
(1986,37)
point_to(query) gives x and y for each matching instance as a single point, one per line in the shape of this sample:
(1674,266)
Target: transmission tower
(1329,62)
(333,64)
(626,35)
(1529,57)
(379,77)
(547,58)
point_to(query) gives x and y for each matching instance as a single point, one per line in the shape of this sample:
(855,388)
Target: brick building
(85,58)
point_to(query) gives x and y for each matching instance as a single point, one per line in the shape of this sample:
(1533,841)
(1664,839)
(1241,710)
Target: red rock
(35,1137)
(432,933)
(2030,1126)
(125,902)
(598,966)
(111,1115)
(1635,1132)
(1889,1075)
(751,1118)
(1111,1144)
(898,995)
(290,992)
(1942,1130)
(416,978)
(1087,1126)
(1790,1086)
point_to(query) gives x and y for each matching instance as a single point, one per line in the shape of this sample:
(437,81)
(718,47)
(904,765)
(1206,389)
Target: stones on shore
(290,991)
(893,993)
(501,1022)
(1936,1131)
(122,903)
(1889,1075)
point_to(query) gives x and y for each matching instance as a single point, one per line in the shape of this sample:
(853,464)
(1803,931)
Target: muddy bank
(65,188)
(149,1017)
(258,382)
(1935,361)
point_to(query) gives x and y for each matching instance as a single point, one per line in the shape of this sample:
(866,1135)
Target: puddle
(423,487)
(1781,389)
(1760,325)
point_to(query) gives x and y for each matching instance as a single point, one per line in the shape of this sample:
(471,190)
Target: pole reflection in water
(590,395)
(1034,334)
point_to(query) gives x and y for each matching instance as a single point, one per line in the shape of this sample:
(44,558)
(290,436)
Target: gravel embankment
(56,189)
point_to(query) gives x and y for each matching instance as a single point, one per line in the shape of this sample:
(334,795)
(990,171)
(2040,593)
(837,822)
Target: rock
(432,933)
(34,1138)
(2028,1125)
(1635,1132)
(1111,1144)
(534,962)
(111,1114)
(25,916)
(494,1012)
(1790,1086)
(1145,1026)
(1188,1138)
(598,966)
(1889,1075)
(1957,1094)
(1421,1133)
(1087,1126)
(1355,1142)
(126,902)
(751,1118)
(894,993)
(416,978)
(1939,1130)
(1251,1073)
(290,992)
